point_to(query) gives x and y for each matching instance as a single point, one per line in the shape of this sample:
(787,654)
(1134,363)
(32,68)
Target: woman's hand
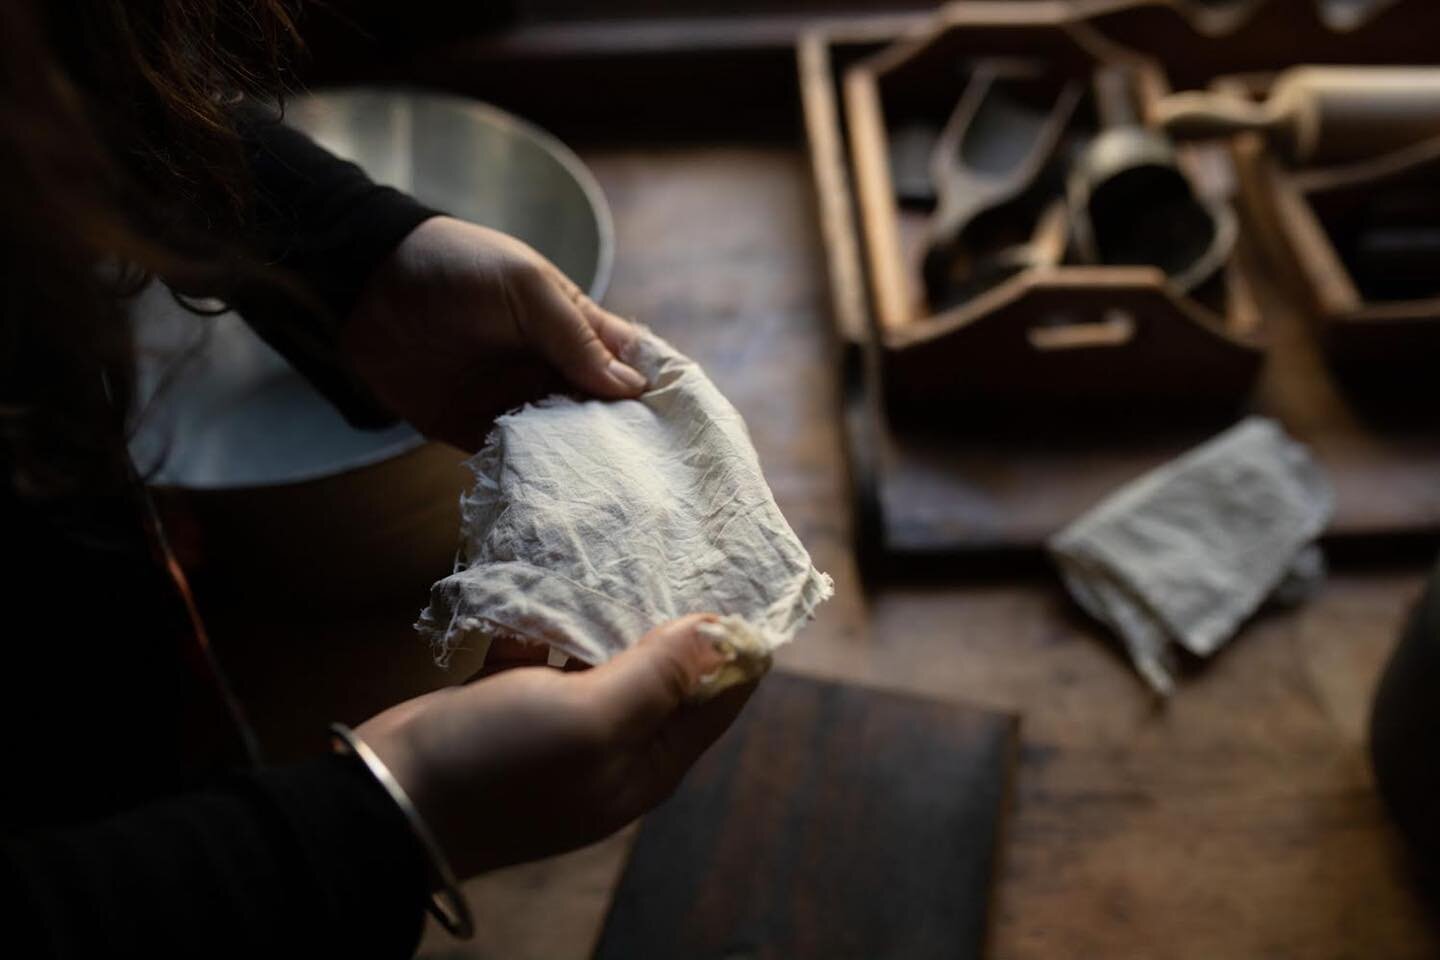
(536,761)
(462,323)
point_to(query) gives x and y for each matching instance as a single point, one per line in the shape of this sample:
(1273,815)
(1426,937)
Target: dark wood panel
(832,821)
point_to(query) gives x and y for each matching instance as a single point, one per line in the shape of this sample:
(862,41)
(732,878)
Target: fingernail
(743,652)
(720,639)
(631,378)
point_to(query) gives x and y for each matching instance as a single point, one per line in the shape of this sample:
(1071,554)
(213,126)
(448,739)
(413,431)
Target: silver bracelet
(447,904)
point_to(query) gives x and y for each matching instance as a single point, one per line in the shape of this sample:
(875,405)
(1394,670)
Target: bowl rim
(600,283)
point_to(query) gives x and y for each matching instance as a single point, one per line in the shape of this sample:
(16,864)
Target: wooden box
(1380,340)
(974,486)
(1051,333)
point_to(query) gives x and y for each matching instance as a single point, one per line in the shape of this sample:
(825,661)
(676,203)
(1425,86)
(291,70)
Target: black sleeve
(313,860)
(321,226)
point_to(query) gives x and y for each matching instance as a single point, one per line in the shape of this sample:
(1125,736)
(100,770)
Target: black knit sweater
(129,827)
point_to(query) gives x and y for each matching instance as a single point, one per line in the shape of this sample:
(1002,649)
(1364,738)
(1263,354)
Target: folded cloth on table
(1190,550)
(591,522)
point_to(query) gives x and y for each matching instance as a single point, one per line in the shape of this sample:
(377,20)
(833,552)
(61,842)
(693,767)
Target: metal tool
(989,169)
(1131,204)
(1044,248)
(911,146)
(1318,115)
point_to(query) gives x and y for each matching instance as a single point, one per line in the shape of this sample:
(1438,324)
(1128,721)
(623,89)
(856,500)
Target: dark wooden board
(969,483)
(948,490)
(831,821)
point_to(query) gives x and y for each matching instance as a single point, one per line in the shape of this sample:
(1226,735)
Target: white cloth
(1190,550)
(591,522)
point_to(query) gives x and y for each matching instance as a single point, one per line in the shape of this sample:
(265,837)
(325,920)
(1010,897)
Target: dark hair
(119,158)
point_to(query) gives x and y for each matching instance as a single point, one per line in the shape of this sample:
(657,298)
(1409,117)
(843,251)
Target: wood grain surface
(1238,821)
(830,821)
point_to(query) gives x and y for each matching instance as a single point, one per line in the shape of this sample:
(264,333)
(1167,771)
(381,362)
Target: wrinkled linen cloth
(1189,551)
(591,522)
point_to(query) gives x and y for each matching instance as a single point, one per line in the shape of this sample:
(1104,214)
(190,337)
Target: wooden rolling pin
(1319,115)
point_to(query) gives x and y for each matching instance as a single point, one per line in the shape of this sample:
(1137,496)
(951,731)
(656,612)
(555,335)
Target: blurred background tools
(1136,297)
(1315,116)
(993,171)
(1013,145)
(1199,278)
(1130,203)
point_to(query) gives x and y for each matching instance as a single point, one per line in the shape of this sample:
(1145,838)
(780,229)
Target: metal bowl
(235,414)
(278,487)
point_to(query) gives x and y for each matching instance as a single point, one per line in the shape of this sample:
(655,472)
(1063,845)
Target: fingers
(648,695)
(645,685)
(583,340)
(615,333)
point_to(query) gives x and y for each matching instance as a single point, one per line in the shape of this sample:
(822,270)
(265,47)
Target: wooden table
(1237,821)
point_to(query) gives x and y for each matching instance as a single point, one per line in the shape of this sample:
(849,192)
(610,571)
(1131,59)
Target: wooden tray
(979,487)
(832,821)
(1052,333)
(1366,340)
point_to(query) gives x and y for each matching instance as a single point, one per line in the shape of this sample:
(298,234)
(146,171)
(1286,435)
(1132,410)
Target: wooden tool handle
(1113,98)
(1204,116)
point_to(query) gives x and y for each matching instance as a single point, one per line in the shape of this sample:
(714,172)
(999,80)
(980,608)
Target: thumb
(646,684)
(654,686)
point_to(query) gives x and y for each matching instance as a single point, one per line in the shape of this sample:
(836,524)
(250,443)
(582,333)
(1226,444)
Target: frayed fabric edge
(818,587)
(485,466)
(447,640)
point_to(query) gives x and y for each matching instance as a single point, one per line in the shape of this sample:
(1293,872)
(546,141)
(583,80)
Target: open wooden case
(942,466)
(1051,332)
(1359,245)
(1379,323)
